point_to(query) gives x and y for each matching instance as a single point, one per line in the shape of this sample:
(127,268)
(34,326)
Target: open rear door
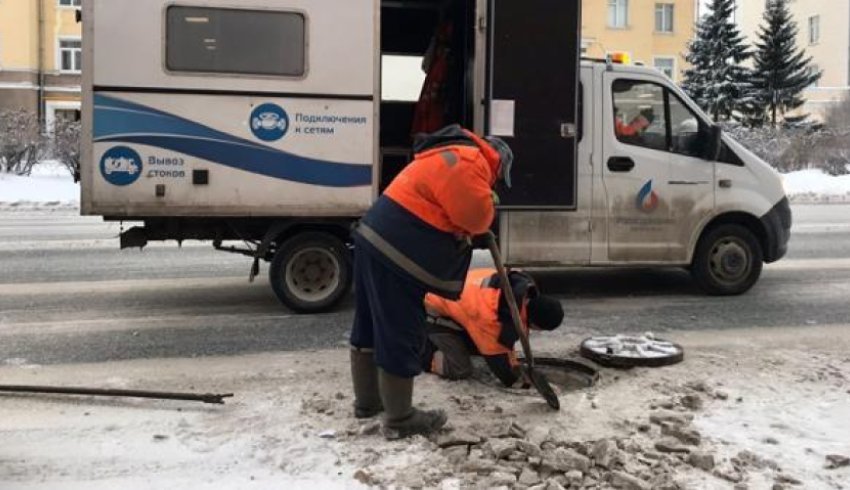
(533,65)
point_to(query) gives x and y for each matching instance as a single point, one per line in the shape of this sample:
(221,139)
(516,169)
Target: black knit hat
(545,313)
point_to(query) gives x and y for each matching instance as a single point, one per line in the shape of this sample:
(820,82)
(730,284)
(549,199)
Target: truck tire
(728,261)
(311,272)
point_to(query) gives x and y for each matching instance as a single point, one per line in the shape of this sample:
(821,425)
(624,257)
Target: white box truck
(269,122)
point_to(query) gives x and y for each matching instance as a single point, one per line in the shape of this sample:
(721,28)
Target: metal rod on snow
(191,397)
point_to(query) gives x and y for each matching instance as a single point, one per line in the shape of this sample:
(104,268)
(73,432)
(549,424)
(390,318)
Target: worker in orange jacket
(480,323)
(637,126)
(416,239)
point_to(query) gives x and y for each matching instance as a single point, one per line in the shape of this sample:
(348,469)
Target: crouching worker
(480,324)
(416,240)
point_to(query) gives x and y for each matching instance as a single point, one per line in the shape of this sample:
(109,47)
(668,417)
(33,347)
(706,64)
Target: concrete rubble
(652,453)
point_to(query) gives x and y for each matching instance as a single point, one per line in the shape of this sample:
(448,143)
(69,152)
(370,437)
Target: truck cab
(659,185)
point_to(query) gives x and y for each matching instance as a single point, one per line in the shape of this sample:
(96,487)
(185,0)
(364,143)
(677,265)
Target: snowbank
(815,186)
(49,185)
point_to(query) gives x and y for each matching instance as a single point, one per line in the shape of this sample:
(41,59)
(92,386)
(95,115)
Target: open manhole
(625,351)
(567,374)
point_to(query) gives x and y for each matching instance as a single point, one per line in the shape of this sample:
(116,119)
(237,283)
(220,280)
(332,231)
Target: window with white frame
(664,17)
(69,3)
(814,29)
(666,65)
(70,55)
(618,13)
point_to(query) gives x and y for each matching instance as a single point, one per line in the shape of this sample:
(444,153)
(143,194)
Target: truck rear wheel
(311,272)
(728,261)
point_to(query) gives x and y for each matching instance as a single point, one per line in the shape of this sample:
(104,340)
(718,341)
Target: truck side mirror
(714,143)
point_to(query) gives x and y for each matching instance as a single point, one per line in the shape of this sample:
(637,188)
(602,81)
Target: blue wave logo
(119,121)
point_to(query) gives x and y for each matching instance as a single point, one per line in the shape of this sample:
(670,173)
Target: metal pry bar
(212,399)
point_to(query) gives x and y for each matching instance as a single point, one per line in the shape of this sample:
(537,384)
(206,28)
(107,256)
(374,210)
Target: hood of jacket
(455,135)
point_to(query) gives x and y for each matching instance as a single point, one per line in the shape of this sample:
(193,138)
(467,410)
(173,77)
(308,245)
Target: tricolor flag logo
(647,200)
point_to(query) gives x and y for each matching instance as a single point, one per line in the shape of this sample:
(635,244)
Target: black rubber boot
(364,375)
(401,419)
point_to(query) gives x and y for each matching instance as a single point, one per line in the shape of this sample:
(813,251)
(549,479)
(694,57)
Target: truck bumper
(777,224)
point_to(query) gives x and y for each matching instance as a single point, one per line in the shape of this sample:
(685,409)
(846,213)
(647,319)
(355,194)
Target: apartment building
(40,56)
(824,32)
(652,32)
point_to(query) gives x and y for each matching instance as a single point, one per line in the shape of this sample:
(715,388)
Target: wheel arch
(747,220)
(278,233)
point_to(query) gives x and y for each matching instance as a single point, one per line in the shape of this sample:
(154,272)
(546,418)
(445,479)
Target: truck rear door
(532,101)
(532,97)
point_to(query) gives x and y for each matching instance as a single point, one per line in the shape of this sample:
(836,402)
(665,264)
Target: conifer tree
(781,71)
(717,79)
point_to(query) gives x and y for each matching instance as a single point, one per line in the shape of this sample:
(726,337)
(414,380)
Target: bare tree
(22,144)
(65,146)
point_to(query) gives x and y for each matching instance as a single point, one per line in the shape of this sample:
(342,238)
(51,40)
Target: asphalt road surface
(68,295)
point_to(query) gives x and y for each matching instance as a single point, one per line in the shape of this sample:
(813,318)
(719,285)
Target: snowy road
(68,295)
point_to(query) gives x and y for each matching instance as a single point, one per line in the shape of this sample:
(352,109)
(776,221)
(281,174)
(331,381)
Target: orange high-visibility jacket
(478,311)
(420,226)
(637,125)
(450,187)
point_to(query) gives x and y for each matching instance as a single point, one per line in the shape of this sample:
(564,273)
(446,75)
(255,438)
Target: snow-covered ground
(769,407)
(50,185)
(816,186)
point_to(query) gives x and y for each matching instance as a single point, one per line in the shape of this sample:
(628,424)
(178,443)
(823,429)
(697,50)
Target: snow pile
(49,185)
(814,185)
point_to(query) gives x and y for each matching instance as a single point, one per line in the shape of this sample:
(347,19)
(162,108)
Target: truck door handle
(621,164)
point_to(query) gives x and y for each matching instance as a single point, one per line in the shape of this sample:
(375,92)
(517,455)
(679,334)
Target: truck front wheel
(311,272)
(727,261)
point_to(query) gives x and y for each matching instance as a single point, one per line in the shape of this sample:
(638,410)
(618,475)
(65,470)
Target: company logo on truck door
(121,166)
(647,199)
(269,122)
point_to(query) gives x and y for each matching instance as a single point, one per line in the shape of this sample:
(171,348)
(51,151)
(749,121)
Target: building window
(70,55)
(664,17)
(69,3)
(58,112)
(222,40)
(814,29)
(618,13)
(67,115)
(666,65)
